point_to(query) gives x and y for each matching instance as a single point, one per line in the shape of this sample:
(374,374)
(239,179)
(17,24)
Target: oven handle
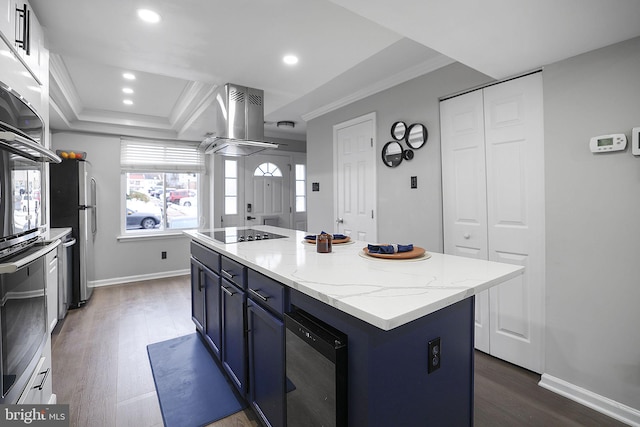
(12,267)
(28,147)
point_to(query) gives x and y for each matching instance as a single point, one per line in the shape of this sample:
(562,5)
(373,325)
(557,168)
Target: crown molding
(394,80)
(196,99)
(66,95)
(53,106)
(190,104)
(68,106)
(119,130)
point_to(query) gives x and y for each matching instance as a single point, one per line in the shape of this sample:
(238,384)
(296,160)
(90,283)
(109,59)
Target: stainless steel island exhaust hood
(239,122)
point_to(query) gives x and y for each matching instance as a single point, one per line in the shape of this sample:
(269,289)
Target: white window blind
(166,156)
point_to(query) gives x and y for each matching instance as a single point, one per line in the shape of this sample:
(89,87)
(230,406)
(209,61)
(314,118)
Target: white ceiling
(348,49)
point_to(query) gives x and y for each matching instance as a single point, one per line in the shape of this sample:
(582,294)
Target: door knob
(466,235)
(339,221)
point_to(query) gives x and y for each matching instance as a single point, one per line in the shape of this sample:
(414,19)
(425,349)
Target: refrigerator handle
(94,219)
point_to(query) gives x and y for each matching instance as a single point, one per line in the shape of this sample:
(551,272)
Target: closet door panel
(463,180)
(515,213)
(464,191)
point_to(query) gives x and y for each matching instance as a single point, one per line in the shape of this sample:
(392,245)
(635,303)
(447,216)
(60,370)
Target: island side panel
(388,379)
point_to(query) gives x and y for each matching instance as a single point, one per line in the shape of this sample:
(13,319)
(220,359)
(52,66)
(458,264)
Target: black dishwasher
(316,367)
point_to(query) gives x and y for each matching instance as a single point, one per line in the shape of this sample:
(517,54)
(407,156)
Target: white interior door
(504,221)
(355,178)
(464,190)
(515,181)
(267,190)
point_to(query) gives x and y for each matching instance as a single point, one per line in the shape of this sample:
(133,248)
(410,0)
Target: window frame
(163,229)
(304,186)
(227,179)
(165,158)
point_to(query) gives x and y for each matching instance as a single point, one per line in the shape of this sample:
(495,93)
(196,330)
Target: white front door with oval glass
(267,190)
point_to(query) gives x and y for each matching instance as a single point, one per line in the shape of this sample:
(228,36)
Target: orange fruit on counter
(64,155)
(72,155)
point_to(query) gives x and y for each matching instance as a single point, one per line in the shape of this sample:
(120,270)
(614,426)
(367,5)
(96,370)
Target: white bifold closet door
(493,194)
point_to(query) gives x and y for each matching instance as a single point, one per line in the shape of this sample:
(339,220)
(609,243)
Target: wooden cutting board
(415,253)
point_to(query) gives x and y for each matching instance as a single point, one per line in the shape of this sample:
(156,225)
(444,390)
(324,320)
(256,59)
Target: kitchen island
(390,310)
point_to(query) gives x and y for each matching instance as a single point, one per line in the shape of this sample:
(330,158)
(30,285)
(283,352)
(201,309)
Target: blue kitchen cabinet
(197,295)
(266,361)
(234,355)
(213,330)
(205,295)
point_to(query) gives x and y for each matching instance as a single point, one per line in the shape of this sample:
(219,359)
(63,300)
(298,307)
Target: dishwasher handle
(69,243)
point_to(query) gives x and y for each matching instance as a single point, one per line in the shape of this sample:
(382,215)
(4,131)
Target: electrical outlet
(164,255)
(435,355)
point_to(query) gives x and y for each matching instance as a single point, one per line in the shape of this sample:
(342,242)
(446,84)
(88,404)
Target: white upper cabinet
(7,18)
(22,32)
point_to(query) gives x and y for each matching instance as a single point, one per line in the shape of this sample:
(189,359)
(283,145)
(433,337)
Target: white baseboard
(138,278)
(611,408)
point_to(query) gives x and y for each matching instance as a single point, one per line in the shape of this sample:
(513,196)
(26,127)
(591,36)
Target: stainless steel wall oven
(23,320)
(23,310)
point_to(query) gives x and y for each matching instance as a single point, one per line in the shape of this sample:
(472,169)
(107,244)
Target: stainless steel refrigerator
(73,204)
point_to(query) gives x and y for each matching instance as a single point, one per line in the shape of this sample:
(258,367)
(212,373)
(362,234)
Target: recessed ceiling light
(290,59)
(127,102)
(127,90)
(129,76)
(148,16)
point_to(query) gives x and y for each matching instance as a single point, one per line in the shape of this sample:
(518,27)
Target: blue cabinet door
(266,365)
(214,320)
(233,334)
(197,295)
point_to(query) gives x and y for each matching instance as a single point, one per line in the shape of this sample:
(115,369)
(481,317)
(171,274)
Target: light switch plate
(635,141)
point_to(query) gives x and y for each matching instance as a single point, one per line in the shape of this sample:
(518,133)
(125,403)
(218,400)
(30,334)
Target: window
(230,187)
(301,188)
(161,181)
(267,169)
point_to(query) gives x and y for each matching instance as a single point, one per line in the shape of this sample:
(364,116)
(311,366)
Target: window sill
(151,236)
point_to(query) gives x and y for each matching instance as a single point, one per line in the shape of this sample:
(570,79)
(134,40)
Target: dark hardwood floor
(101,368)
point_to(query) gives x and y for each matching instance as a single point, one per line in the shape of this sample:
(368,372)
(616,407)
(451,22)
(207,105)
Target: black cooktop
(233,235)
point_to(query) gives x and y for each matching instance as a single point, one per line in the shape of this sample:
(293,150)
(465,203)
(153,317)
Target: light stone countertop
(57,233)
(383,293)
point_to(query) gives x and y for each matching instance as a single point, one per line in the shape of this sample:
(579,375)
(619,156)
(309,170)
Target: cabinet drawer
(266,291)
(206,256)
(33,393)
(234,272)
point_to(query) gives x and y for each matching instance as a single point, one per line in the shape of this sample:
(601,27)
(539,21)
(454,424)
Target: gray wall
(404,215)
(593,223)
(120,260)
(592,205)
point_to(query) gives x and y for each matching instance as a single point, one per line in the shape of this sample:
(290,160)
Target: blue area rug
(191,388)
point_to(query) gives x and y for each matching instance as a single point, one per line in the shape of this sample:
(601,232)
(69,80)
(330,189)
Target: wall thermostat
(635,141)
(604,143)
